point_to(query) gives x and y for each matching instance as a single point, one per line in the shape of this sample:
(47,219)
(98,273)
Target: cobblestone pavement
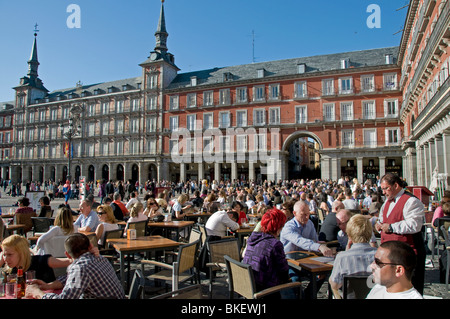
(433,288)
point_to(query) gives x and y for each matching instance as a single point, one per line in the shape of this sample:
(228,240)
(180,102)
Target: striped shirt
(89,277)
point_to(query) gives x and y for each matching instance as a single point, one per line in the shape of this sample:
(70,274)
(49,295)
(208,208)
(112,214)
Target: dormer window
(193,81)
(111,89)
(227,76)
(124,87)
(96,91)
(345,63)
(301,68)
(260,73)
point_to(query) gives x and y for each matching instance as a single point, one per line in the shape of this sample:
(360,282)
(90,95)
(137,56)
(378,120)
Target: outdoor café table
(242,232)
(16,227)
(7,215)
(146,244)
(167,227)
(194,216)
(310,263)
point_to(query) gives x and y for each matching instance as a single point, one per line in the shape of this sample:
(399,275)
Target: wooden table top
(172,224)
(309,264)
(198,214)
(15,226)
(7,215)
(146,242)
(245,229)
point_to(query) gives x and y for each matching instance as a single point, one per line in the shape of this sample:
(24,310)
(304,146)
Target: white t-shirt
(380,292)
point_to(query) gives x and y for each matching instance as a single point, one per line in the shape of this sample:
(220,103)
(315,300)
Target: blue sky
(115,36)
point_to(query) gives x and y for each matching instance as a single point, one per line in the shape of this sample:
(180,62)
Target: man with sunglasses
(401,218)
(392,271)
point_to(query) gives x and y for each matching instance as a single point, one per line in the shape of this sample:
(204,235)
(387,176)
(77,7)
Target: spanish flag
(66,150)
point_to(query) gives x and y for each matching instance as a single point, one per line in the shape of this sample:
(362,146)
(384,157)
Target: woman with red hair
(265,252)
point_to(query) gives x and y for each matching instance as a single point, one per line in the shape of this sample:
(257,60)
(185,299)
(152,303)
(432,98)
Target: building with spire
(228,123)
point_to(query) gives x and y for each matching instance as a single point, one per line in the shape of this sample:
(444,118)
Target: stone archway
(298,161)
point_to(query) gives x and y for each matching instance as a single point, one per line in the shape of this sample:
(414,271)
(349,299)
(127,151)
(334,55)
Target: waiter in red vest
(401,218)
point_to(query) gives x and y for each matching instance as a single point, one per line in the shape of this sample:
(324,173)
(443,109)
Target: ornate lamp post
(73,130)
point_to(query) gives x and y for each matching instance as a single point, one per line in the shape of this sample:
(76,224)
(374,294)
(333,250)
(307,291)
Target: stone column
(251,171)
(359,167)
(217,171)
(233,171)
(335,168)
(446,155)
(426,165)
(325,167)
(182,172)
(382,165)
(201,172)
(439,153)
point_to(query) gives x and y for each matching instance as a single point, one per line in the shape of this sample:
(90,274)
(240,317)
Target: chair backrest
(41,224)
(137,285)
(356,285)
(140,226)
(225,247)
(240,278)
(93,239)
(443,224)
(115,233)
(202,229)
(444,231)
(195,234)
(187,256)
(25,218)
(320,214)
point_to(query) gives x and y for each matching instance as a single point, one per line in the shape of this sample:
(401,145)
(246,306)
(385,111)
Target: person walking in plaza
(401,218)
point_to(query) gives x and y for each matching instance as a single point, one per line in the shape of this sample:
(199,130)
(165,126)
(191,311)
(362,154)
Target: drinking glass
(2,289)
(11,278)
(11,288)
(30,275)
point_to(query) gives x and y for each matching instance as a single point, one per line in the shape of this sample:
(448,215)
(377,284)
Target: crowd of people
(322,216)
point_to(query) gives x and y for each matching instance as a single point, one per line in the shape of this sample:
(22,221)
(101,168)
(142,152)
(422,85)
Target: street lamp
(72,131)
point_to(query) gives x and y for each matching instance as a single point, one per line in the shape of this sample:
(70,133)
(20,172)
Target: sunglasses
(381,264)
(100,213)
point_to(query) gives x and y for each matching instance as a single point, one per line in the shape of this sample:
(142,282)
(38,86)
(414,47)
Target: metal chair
(355,285)
(444,232)
(440,234)
(109,234)
(137,286)
(189,292)
(140,226)
(41,225)
(217,250)
(183,269)
(242,281)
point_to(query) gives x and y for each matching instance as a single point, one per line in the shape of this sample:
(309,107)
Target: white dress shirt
(413,215)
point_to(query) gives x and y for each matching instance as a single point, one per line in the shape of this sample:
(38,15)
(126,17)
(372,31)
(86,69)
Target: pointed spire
(33,63)
(161,32)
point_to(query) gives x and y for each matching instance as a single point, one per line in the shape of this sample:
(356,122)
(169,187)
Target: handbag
(158,219)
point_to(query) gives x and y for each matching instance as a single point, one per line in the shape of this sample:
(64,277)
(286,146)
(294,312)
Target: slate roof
(102,87)
(314,64)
